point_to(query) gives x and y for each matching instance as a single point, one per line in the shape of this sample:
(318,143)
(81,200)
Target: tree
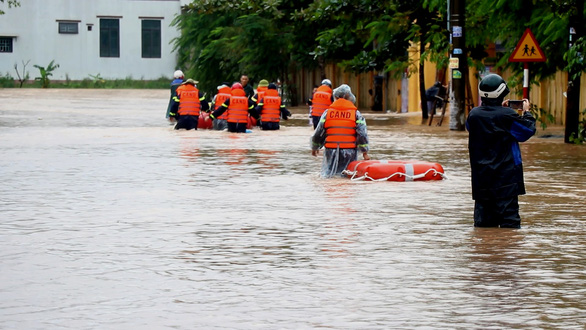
(269,38)
(222,39)
(11,3)
(505,21)
(371,35)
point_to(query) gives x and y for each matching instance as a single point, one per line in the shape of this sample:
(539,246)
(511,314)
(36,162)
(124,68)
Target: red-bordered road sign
(527,49)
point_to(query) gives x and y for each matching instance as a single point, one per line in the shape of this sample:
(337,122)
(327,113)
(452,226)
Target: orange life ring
(394,170)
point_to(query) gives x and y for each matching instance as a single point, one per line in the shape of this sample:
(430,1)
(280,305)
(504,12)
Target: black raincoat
(495,157)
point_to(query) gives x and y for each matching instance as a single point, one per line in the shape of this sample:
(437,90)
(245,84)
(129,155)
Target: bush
(7,81)
(96,81)
(581,136)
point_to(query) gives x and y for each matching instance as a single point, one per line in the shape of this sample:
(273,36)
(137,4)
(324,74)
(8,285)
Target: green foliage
(363,36)
(6,81)
(268,38)
(46,73)
(542,116)
(505,22)
(127,83)
(11,3)
(98,81)
(575,59)
(222,39)
(580,138)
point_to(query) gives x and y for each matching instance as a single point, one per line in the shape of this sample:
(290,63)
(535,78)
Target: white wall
(35,26)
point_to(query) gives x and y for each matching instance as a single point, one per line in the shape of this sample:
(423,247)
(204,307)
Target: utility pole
(458,66)
(577,22)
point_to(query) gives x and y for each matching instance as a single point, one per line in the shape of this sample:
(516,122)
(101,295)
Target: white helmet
(178,74)
(326,82)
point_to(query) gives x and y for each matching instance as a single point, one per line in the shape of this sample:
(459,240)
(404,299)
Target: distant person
(238,108)
(309,103)
(430,94)
(172,107)
(495,131)
(321,100)
(245,82)
(224,93)
(377,94)
(191,103)
(271,109)
(342,131)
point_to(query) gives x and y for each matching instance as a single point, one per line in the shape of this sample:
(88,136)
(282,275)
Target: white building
(115,39)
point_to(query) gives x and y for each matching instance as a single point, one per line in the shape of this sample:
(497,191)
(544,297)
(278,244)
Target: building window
(109,37)
(151,38)
(68,27)
(5,44)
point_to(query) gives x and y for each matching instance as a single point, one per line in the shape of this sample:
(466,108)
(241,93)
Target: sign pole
(526,80)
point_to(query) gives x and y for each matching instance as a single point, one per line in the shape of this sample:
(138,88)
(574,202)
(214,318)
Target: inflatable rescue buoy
(251,122)
(394,170)
(204,122)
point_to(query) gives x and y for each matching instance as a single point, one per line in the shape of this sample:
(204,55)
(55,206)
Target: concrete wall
(35,27)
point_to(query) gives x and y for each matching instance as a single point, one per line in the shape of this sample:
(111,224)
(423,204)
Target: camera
(516,104)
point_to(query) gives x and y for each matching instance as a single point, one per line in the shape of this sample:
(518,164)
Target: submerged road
(110,219)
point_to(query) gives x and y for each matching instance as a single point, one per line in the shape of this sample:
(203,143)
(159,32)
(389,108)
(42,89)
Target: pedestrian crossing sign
(527,49)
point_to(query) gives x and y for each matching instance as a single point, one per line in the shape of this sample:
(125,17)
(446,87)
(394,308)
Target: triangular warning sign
(527,50)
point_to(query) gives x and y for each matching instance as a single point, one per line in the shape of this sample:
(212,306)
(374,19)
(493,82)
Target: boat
(394,170)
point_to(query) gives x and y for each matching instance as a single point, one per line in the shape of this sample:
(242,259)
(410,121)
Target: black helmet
(493,87)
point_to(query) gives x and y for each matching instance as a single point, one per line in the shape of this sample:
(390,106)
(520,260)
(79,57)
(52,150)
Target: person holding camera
(495,131)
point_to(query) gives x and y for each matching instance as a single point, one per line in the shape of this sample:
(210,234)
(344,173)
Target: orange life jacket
(189,103)
(238,108)
(340,125)
(260,93)
(271,108)
(321,100)
(224,93)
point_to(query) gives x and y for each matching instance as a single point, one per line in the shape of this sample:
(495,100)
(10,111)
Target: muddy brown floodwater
(110,219)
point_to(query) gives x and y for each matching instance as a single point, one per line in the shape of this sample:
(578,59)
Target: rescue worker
(271,109)
(191,103)
(224,93)
(260,90)
(320,101)
(245,82)
(238,108)
(172,107)
(342,131)
(495,131)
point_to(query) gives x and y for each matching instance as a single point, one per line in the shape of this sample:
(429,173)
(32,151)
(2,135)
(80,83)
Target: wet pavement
(110,219)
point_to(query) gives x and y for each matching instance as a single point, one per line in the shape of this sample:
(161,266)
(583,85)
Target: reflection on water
(112,220)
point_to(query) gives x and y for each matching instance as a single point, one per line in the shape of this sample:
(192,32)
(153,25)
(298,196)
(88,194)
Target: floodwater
(110,219)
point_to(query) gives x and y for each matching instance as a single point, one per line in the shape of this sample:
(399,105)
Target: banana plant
(46,73)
